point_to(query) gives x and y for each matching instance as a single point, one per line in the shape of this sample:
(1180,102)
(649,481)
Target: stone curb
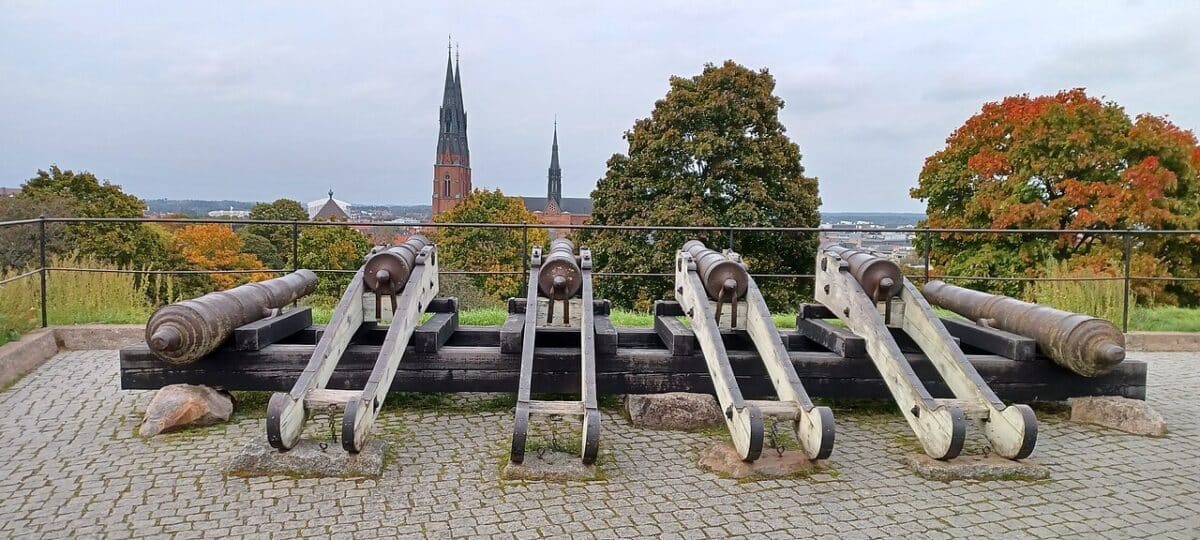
(20,357)
(1163,341)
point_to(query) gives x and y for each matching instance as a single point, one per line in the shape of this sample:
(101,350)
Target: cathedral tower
(452,167)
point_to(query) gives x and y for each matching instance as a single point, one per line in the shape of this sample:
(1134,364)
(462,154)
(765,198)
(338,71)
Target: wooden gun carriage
(828,360)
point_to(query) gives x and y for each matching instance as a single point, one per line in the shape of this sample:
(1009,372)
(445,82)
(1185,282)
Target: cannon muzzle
(560,277)
(724,279)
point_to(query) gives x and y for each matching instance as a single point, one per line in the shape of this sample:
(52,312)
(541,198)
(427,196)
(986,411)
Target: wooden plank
(606,336)
(837,339)
(630,371)
(599,307)
(512,333)
(445,304)
(263,332)
(906,342)
(668,308)
(324,398)
(992,340)
(430,336)
(559,408)
(678,339)
(815,311)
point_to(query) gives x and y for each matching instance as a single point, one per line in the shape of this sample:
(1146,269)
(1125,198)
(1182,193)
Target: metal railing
(925,233)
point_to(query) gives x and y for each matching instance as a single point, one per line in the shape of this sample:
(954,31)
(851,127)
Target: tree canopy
(277,251)
(213,246)
(123,244)
(1067,161)
(332,248)
(490,249)
(712,153)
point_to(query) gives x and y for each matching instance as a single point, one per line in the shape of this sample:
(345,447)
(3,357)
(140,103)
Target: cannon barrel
(1084,344)
(880,278)
(720,274)
(183,332)
(386,272)
(560,277)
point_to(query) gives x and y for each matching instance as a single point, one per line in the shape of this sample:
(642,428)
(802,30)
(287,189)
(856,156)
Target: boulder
(181,405)
(723,459)
(1128,415)
(675,410)
(308,459)
(975,468)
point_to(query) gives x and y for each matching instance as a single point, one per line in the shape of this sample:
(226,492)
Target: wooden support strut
(744,420)
(286,413)
(587,407)
(940,425)
(419,291)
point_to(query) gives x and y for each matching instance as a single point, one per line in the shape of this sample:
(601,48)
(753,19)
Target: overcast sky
(260,100)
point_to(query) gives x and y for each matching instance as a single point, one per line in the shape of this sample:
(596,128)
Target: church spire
(554,178)
(452,136)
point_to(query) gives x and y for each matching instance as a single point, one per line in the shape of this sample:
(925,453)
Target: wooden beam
(599,307)
(630,371)
(992,340)
(512,333)
(263,332)
(837,339)
(430,336)
(606,336)
(678,338)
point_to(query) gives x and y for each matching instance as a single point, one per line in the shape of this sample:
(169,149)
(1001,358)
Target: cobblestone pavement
(70,465)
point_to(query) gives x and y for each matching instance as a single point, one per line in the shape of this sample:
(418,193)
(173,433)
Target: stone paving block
(975,468)
(67,469)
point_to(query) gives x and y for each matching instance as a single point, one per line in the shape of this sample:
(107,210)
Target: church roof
(327,208)
(580,206)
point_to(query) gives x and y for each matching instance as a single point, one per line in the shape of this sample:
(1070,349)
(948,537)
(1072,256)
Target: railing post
(1125,297)
(928,248)
(42,256)
(524,256)
(295,246)
(731,239)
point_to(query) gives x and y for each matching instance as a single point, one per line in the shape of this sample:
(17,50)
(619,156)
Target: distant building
(452,165)
(9,192)
(231,213)
(554,209)
(329,209)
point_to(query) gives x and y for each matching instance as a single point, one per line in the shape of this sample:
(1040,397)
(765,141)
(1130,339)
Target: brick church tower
(452,168)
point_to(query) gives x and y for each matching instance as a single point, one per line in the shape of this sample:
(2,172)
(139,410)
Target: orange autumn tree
(1068,161)
(215,247)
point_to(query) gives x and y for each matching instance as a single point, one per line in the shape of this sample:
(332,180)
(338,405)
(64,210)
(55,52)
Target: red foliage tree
(1068,161)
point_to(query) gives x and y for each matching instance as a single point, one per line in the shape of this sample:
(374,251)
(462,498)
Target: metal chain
(776,442)
(332,427)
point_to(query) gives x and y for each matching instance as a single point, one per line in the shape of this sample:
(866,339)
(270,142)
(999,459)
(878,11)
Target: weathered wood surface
(263,332)
(599,307)
(837,339)
(630,371)
(430,336)
(992,340)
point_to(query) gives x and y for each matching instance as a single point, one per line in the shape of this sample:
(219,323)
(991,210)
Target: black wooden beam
(430,336)
(263,332)
(606,336)
(512,332)
(630,371)
(992,340)
(678,339)
(841,341)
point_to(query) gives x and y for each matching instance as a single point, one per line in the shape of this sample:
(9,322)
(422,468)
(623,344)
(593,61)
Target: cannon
(725,279)
(852,284)
(880,278)
(183,332)
(703,275)
(387,271)
(559,275)
(1081,343)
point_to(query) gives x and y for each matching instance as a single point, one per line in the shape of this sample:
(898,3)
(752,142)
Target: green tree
(1067,161)
(19,244)
(124,244)
(262,249)
(332,248)
(712,153)
(487,249)
(279,237)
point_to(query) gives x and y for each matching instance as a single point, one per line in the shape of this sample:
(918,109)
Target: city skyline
(272,100)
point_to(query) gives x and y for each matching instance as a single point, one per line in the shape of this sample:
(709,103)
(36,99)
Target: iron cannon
(1084,344)
(183,332)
